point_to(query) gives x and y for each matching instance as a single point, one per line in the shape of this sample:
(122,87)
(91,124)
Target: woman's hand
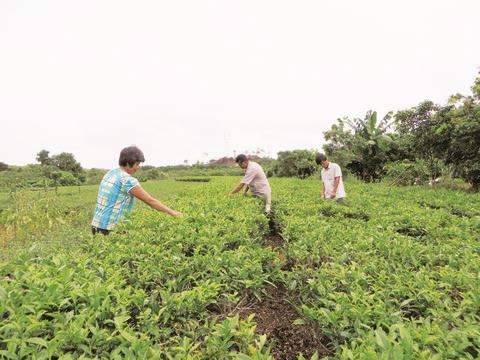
(176,214)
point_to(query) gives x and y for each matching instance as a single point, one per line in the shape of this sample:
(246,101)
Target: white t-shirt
(256,179)
(328,178)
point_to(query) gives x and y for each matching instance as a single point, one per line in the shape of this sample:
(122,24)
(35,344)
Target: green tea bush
(397,280)
(157,287)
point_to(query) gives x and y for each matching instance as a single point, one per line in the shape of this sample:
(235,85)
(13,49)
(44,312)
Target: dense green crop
(157,287)
(394,274)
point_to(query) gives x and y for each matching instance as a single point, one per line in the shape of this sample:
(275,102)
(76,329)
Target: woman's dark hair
(130,156)
(320,158)
(240,159)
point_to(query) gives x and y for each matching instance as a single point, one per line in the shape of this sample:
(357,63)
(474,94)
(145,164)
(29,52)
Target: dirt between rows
(275,241)
(275,317)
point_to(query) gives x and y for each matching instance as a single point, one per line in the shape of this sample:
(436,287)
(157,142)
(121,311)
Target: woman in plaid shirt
(118,190)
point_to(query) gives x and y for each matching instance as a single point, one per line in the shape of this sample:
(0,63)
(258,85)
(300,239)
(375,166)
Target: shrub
(407,172)
(296,163)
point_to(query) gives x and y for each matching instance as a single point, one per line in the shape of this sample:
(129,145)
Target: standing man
(332,182)
(118,190)
(255,180)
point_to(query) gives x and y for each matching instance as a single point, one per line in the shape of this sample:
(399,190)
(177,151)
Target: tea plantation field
(393,274)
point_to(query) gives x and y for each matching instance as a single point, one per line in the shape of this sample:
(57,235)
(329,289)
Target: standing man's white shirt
(328,178)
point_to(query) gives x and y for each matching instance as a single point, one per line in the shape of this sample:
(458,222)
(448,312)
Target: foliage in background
(63,161)
(296,163)
(446,135)
(417,127)
(23,177)
(462,132)
(94,176)
(446,139)
(64,171)
(406,172)
(362,145)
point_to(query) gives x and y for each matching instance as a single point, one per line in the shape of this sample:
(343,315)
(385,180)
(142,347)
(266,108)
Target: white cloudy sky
(199,79)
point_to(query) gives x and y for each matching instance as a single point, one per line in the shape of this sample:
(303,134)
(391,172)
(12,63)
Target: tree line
(413,146)
(424,142)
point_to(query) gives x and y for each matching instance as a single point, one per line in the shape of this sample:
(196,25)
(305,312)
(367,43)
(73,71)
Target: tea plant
(392,274)
(157,287)
(385,276)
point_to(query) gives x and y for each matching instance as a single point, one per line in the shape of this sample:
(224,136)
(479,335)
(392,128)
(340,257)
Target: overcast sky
(198,80)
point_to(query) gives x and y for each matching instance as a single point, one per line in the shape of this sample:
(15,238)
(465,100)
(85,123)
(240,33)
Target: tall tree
(43,158)
(66,162)
(446,135)
(460,131)
(417,126)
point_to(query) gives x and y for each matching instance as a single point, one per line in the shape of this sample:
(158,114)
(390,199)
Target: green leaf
(120,320)
(299,322)
(381,339)
(38,341)
(127,336)
(3,294)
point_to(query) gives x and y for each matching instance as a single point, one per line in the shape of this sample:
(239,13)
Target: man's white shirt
(328,178)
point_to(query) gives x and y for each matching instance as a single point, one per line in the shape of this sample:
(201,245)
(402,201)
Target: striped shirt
(114,199)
